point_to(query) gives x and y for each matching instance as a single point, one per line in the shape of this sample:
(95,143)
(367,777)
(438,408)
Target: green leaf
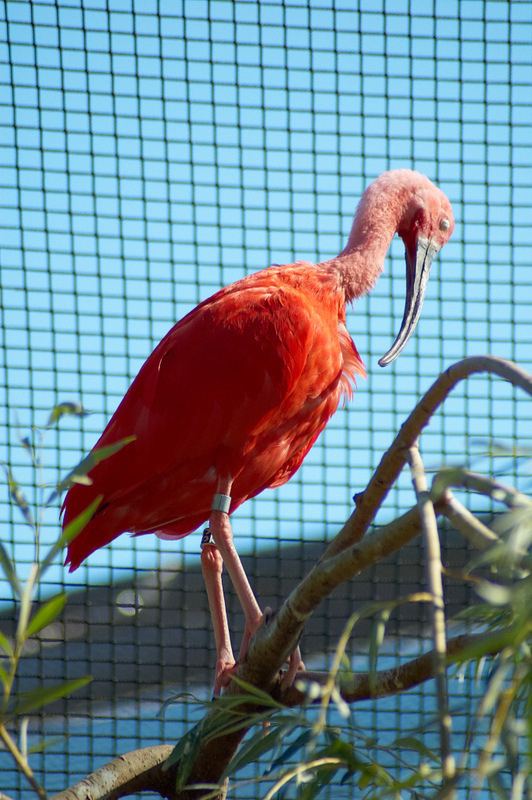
(376,639)
(70,532)
(26,600)
(66,409)
(300,743)
(211,727)
(28,447)
(4,677)
(256,695)
(5,644)
(232,720)
(181,697)
(341,706)
(411,743)
(17,495)
(46,614)
(27,702)
(250,752)
(185,753)
(343,750)
(9,570)
(496,688)
(79,473)
(225,725)
(319,777)
(493,593)
(44,744)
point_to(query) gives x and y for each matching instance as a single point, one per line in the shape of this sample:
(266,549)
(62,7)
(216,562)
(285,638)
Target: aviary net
(152,152)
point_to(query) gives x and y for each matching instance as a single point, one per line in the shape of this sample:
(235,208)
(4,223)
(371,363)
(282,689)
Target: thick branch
(345,557)
(137,771)
(142,769)
(393,460)
(346,564)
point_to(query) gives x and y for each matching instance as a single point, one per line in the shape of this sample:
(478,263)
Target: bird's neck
(361,262)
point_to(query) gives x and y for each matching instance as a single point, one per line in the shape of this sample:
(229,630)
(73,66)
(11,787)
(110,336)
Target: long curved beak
(418,263)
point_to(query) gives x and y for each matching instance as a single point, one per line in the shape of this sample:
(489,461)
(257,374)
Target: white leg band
(221,502)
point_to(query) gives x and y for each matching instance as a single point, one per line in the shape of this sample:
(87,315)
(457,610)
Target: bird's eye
(445,224)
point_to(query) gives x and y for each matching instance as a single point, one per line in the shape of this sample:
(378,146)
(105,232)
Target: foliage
(504,758)
(308,750)
(31,620)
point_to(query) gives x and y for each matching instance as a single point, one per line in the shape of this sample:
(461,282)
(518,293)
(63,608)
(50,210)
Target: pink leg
(212,567)
(220,528)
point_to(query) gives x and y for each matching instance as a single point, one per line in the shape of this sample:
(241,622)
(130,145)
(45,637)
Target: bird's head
(426,223)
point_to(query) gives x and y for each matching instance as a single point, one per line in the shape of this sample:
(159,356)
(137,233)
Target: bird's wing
(213,382)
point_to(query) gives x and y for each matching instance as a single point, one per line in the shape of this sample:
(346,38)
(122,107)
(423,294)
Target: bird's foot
(294,661)
(249,632)
(225,669)
(295,665)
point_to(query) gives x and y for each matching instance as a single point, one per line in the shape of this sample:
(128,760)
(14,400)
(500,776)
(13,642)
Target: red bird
(235,395)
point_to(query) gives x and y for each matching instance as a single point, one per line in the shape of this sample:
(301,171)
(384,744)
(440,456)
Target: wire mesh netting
(152,152)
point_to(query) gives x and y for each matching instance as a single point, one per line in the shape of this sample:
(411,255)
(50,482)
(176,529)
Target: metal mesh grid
(151,152)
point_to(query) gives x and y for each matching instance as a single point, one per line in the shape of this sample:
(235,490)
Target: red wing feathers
(242,385)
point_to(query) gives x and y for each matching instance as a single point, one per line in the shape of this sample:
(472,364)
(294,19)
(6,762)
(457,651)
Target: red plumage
(243,385)
(235,395)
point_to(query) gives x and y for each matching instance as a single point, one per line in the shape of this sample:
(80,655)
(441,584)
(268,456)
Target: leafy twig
(434,579)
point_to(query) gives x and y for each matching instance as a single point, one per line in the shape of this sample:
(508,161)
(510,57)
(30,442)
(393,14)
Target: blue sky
(151,153)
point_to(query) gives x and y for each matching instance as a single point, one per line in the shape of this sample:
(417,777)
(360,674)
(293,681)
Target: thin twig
(478,534)
(21,762)
(461,478)
(434,579)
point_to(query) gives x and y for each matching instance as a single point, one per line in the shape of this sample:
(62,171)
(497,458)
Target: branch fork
(352,550)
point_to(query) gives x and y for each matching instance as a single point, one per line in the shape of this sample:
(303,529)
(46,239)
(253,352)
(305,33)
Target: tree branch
(478,534)
(384,683)
(435,582)
(394,459)
(137,771)
(141,770)
(345,557)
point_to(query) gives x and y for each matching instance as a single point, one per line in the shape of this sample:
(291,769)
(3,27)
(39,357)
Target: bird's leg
(212,566)
(220,527)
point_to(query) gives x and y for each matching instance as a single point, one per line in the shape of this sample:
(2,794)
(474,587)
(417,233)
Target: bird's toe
(295,665)
(224,672)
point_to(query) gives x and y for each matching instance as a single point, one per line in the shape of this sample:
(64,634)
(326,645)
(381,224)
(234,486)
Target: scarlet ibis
(232,399)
